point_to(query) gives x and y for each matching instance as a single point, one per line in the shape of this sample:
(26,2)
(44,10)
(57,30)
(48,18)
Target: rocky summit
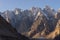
(34,22)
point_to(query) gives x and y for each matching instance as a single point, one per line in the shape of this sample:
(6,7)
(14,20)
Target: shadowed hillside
(7,32)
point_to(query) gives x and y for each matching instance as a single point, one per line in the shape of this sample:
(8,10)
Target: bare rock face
(57,15)
(25,22)
(41,26)
(38,23)
(55,32)
(35,22)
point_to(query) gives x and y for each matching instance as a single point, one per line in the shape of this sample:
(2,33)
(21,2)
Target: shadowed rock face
(7,32)
(57,37)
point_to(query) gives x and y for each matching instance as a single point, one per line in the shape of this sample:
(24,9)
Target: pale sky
(26,4)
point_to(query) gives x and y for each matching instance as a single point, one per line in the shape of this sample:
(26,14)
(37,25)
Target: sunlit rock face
(34,22)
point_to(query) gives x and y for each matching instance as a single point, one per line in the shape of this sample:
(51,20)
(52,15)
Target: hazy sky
(26,4)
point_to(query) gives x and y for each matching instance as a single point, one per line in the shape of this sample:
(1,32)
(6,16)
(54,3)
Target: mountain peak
(47,7)
(35,8)
(17,10)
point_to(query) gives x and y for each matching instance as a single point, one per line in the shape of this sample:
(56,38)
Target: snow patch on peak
(17,11)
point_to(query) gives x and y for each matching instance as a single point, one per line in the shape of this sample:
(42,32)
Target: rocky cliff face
(35,22)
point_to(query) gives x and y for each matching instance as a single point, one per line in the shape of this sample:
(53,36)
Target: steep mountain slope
(10,17)
(55,32)
(38,23)
(26,20)
(49,11)
(7,32)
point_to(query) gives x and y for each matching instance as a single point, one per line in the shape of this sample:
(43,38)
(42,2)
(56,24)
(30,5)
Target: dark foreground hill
(7,32)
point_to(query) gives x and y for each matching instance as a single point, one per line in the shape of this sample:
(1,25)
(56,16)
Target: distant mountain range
(34,22)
